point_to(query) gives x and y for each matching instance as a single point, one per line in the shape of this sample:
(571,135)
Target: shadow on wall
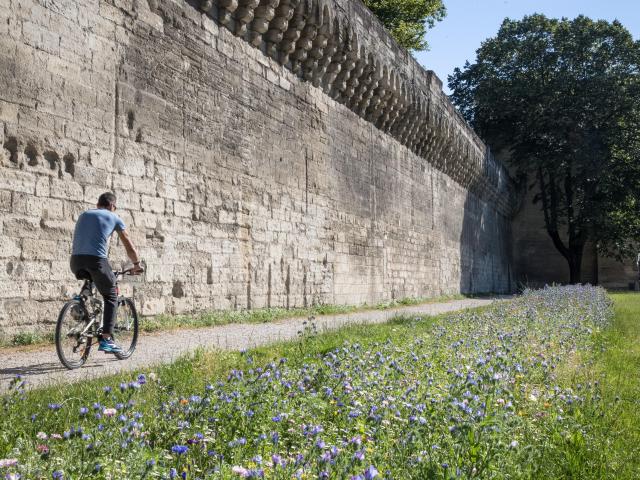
(486,259)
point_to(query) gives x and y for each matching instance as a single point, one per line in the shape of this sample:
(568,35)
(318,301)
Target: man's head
(108,201)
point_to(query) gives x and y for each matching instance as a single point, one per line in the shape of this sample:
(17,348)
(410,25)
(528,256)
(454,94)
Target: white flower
(8,462)
(513,444)
(243,472)
(42,435)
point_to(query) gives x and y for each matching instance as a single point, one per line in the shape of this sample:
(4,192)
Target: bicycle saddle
(83,275)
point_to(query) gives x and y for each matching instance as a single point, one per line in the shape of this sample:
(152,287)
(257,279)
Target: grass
(614,365)
(224,317)
(594,436)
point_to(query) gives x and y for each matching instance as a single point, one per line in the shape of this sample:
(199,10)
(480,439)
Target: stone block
(29,270)
(45,290)
(17,181)
(152,306)
(14,289)
(9,247)
(152,204)
(58,229)
(21,227)
(5,201)
(127,199)
(25,204)
(39,249)
(8,112)
(66,189)
(43,187)
(145,185)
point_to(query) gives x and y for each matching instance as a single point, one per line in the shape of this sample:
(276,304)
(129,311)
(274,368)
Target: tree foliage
(408,20)
(562,97)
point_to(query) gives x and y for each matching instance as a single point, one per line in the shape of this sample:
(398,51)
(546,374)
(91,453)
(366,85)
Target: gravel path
(41,366)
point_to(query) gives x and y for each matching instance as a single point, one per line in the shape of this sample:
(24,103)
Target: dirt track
(41,366)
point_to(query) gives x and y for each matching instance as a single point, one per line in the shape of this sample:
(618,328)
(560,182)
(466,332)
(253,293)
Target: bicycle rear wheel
(125,329)
(72,345)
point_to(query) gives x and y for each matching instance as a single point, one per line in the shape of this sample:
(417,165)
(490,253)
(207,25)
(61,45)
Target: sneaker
(109,346)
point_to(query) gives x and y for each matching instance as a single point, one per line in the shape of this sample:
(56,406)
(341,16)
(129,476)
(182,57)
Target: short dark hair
(107,200)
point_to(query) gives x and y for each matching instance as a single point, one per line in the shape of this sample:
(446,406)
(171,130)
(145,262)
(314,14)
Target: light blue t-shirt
(93,230)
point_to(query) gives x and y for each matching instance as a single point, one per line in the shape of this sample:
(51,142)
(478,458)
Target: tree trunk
(575,264)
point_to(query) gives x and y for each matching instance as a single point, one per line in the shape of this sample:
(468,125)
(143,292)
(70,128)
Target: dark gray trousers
(102,275)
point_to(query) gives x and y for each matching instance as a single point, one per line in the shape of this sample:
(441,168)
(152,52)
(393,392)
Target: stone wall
(264,153)
(537,262)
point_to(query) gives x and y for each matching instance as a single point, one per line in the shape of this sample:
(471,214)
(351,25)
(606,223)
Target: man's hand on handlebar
(137,269)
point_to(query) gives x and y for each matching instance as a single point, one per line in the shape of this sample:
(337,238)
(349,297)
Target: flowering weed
(480,394)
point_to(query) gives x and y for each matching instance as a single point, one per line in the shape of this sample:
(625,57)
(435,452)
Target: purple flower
(142,379)
(84,411)
(359,455)
(370,473)
(55,406)
(179,449)
(173,473)
(57,475)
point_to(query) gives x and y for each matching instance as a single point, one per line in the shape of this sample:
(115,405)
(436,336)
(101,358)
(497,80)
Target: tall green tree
(562,99)
(408,20)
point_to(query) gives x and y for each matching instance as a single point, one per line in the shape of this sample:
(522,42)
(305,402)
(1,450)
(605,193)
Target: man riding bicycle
(89,258)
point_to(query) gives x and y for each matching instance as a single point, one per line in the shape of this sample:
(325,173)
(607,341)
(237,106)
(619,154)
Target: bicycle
(80,324)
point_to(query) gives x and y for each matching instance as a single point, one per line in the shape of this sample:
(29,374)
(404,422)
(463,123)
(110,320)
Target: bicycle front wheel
(125,329)
(72,341)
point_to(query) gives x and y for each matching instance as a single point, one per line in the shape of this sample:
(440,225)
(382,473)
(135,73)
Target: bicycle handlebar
(122,273)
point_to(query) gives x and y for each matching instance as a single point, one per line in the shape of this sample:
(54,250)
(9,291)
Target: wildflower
(106,389)
(56,436)
(173,473)
(41,436)
(58,475)
(83,411)
(179,449)
(359,455)
(8,462)
(97,467)
(109,412)
(513,444)
(243,472)
(370,473)
(42,449)
(55,406)
(142,379)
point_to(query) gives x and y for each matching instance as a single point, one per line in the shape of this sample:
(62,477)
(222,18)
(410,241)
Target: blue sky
(469,22)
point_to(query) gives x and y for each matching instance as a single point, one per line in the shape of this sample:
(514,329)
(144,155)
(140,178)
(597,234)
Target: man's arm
(131,250)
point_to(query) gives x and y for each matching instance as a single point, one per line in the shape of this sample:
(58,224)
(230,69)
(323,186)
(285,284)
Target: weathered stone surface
(264,153)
